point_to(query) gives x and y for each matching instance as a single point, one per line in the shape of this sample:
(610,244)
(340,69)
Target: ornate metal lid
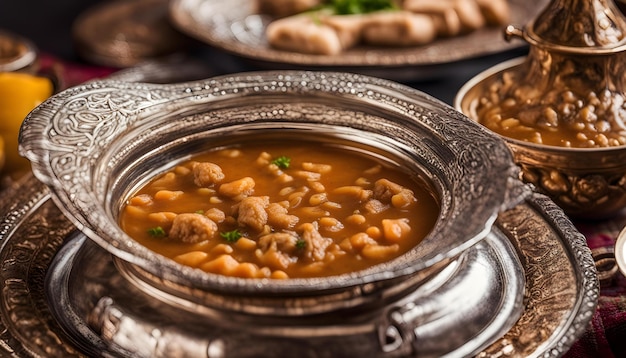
(588,26)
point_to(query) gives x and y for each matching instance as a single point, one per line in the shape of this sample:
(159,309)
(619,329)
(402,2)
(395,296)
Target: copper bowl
(587,183)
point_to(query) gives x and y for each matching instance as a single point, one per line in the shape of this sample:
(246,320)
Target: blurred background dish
(17,53)
(235,27)
(586,182)
(125,33)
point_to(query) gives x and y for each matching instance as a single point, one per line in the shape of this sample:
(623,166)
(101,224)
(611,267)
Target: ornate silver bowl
(95,144)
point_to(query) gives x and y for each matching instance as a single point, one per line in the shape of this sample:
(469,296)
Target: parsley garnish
(231,236)
(351,7)
(282,162)
(156,232)
(300,244)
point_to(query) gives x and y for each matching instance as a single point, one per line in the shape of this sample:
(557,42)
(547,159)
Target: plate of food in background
(397,39)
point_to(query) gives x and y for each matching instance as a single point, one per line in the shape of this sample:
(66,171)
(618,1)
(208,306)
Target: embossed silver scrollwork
(577,192)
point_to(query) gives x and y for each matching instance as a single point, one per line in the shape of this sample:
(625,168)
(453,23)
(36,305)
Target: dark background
(48,23)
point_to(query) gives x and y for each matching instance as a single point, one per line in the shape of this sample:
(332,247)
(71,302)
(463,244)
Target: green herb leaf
(231,236)
(351,7)
(156,232)
(300,244)
(282,162)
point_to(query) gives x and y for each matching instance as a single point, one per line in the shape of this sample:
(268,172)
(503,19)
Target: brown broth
(344,225)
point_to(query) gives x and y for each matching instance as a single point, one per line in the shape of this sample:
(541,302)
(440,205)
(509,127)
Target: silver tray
(235,27)
(560,294)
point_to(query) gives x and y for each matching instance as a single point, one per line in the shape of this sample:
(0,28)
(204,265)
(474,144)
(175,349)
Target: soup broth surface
(282,210)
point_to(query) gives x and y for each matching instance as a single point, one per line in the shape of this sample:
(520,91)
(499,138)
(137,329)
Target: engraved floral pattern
(28,247)
(599,194)
(552,285)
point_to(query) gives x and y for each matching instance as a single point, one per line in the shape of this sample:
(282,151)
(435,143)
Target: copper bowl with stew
(587,183)
(96,145)
(561,108)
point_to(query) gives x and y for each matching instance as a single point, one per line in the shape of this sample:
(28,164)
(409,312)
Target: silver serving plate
(64,297)
(94,144)
(235,27)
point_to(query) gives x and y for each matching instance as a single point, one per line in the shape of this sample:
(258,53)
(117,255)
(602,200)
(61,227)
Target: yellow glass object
(20,93)
(1,152)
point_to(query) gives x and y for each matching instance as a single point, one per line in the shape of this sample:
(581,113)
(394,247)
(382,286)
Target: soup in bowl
(108,149)
(279,208)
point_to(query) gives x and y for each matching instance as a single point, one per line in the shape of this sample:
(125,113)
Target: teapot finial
(580,23)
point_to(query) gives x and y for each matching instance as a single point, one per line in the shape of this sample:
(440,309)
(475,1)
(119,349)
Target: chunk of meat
(315,244)
(389,192)
(384,189)
(192,228)
(374,206)
(252,212)
(278,216)
(206,174)
(277,250)
(284,241)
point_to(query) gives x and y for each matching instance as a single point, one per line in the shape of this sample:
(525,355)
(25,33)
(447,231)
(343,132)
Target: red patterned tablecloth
(606,335)
(67,74)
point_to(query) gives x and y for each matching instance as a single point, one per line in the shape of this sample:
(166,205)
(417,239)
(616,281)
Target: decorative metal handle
(512,31)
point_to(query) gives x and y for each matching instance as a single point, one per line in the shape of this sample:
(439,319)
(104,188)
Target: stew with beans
(282,210)
(558,117)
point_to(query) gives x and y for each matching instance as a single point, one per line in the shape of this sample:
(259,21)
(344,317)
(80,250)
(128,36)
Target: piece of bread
(302,33)
(398,28)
